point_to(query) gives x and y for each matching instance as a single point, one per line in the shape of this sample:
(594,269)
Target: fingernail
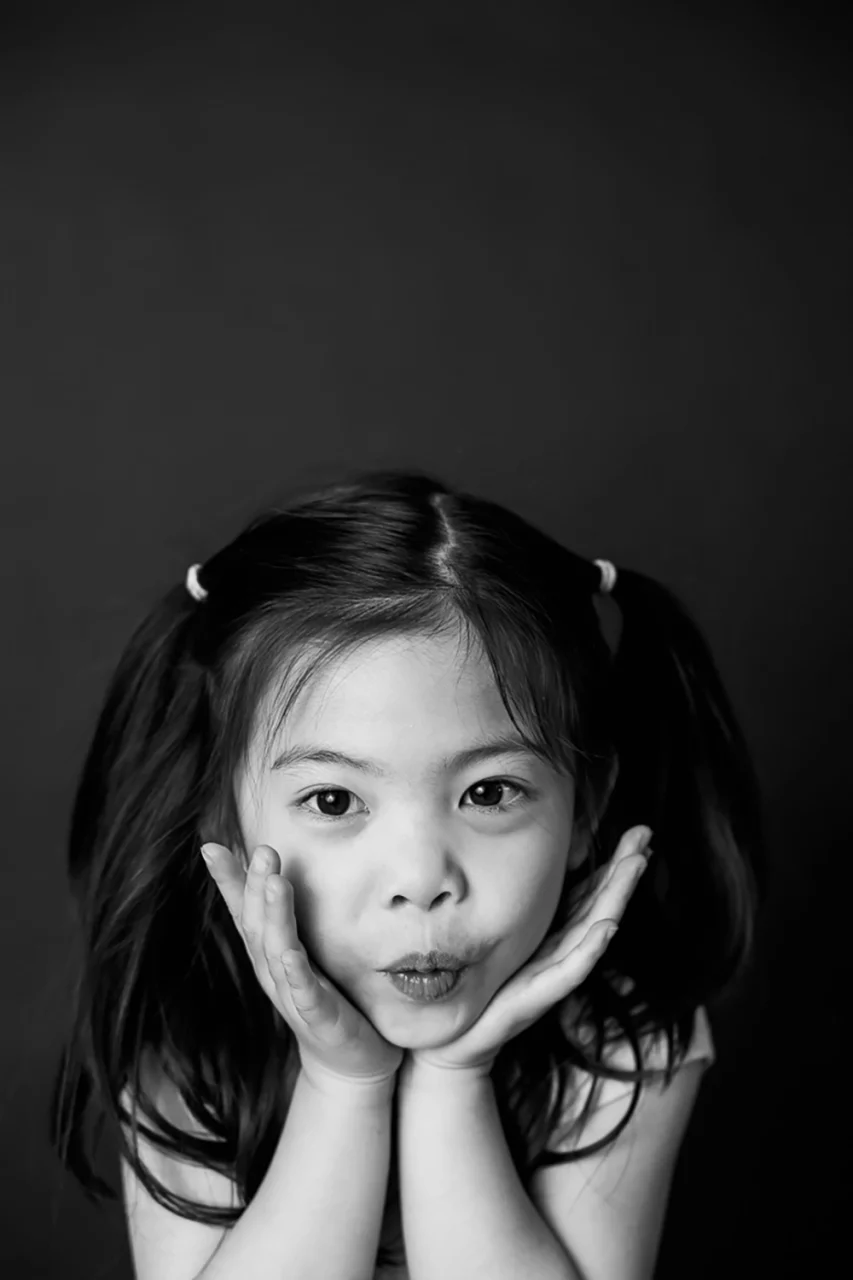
(207,853)
(609,932)
(644,841)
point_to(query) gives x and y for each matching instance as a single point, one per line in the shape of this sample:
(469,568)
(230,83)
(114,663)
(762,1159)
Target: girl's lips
(427,987)
(423,961)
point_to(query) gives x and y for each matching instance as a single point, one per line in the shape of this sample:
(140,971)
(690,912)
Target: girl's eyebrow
(462,759)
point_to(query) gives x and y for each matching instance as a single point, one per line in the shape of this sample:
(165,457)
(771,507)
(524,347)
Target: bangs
(533,680)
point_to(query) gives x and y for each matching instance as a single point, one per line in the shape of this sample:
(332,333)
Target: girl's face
(410,851)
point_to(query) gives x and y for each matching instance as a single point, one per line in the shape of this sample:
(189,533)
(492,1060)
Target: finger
(567,960)
(228,875)
(227,871)
(607,904)
(534,990)
(634,844)
(253,915)
(616,893)
(633,852)
(286,958)
(583,958)
(583,901)
(537,987)
(562,976)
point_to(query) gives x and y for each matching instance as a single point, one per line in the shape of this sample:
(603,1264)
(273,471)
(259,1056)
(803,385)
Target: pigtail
(152,730)
(150,738)
(158,974)
(686,771)
(686,937)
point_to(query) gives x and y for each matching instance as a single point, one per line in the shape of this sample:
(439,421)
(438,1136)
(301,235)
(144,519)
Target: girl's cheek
(309,913)
(533,917)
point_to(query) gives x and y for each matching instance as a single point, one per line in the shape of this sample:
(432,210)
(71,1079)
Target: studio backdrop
(590,261)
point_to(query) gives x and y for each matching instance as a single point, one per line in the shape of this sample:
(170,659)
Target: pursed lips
(428,961)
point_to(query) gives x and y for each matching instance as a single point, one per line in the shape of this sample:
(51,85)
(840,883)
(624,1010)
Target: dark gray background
(591,260)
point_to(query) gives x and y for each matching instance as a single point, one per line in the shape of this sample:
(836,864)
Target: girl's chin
(420,1024)
(422,1036)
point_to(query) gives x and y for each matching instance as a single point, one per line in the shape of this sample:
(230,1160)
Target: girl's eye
(332,796)
(324,795)
(503,785)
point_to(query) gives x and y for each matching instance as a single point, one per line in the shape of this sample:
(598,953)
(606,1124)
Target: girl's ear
(579,848)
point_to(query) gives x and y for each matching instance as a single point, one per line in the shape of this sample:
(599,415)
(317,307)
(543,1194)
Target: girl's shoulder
(179,1175)
(653,1047)
(611,1098)
(162,1240)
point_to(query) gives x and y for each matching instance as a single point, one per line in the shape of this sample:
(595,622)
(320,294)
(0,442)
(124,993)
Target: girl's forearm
(465,1212)
(318,1211)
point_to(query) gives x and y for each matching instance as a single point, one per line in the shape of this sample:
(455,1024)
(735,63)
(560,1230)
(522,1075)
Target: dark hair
(379,554)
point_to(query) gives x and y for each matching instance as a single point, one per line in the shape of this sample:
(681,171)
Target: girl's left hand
(553,972)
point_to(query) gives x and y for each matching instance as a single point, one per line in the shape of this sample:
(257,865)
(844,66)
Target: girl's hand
(337,1043)
(552,973)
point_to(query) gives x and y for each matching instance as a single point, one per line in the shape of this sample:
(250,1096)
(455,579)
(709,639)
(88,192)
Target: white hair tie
(608,579)
(193,585)
(608,576)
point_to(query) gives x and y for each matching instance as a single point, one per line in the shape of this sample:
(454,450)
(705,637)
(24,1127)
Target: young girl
(383,1026)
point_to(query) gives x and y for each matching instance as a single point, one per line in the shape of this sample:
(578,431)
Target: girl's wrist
(365,1091)
(422,1075)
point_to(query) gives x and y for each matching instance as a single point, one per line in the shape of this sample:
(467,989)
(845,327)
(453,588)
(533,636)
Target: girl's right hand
(337,1043)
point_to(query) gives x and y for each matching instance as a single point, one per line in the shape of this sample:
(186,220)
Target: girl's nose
(425,876)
